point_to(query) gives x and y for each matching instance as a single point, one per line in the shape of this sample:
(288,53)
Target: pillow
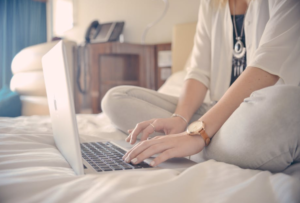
(173,86)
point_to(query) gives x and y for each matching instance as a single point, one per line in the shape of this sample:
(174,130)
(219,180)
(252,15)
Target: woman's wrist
(197,138)
(180,116)
(180,122)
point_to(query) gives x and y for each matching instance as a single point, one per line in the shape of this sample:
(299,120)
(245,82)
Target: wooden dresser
(113,63)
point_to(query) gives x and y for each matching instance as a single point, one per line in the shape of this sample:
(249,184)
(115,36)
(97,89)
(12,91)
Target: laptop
(89,157)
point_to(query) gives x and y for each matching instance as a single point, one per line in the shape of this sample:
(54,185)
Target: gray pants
(263,133)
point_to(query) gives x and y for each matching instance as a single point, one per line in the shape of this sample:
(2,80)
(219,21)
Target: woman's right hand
(167,126)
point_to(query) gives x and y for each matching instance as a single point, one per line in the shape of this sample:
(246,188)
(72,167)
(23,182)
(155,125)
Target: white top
(272,31)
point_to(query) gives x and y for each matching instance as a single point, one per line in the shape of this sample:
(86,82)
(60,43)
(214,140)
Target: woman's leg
(263,133)
(128,105)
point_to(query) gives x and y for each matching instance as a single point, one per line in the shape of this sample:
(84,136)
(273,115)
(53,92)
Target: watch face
(195,127)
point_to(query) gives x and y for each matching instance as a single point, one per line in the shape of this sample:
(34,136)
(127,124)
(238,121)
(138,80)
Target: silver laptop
(84,158)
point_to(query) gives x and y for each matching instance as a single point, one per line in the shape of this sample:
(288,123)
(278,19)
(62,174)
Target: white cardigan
(272,31)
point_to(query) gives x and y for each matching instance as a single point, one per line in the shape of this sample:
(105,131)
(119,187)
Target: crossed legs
(263,133)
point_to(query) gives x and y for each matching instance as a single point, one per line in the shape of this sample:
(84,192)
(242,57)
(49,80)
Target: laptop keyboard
(107,157)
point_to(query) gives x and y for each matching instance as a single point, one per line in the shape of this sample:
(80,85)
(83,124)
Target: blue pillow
(10,103)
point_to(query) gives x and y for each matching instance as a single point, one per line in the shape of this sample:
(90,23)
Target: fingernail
(127,159)
(152,163)
(134,160)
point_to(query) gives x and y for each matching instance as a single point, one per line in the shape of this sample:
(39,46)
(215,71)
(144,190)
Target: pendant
(241,69)
(239,49)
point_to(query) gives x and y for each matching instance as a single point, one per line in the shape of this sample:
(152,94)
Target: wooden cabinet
(112,64)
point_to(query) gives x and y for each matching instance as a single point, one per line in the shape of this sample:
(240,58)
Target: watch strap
(205,137)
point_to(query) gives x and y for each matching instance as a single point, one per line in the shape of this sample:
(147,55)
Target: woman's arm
(191,98)
(251,80)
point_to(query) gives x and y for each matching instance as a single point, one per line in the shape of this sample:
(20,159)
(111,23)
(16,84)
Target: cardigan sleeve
(199,66)
(279,49)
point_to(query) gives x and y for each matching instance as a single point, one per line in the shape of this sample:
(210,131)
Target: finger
(150,151)
(168,154)
(158,125)
(137,150)
(138,129)
(127,139)
(147,131)
(126,154)
(157,137)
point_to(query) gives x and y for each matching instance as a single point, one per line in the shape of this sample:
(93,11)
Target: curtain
(22,24)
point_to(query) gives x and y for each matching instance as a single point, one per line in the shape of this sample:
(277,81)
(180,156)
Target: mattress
(33,170)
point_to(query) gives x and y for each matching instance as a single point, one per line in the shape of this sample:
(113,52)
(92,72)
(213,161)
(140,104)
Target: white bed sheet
(33,170)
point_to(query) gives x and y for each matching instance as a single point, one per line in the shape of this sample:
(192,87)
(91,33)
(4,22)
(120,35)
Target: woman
(255,122)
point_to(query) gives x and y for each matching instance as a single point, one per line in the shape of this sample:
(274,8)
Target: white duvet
(33,170)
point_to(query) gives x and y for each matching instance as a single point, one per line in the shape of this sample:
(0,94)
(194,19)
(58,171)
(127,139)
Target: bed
(33,170)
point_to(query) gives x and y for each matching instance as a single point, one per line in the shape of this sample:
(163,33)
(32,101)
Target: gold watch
(198,128)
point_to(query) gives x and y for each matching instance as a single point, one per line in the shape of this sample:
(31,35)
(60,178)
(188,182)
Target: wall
(136,14)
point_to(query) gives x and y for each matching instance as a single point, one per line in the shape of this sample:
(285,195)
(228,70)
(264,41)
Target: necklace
(239,50)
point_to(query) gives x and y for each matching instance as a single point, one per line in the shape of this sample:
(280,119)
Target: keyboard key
(117,168)
(106,169)
(103,165)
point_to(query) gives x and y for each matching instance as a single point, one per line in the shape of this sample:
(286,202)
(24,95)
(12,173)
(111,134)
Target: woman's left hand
(170,146)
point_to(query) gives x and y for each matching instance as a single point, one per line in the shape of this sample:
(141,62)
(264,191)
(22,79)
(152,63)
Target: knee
(263,133)
(112,100)
(283,96)
(281,101)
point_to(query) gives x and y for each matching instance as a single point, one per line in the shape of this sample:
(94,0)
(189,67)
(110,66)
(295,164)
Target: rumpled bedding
(33,170)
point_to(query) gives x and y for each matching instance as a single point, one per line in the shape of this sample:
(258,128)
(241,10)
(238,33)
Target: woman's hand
(178,145)
(167,126)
